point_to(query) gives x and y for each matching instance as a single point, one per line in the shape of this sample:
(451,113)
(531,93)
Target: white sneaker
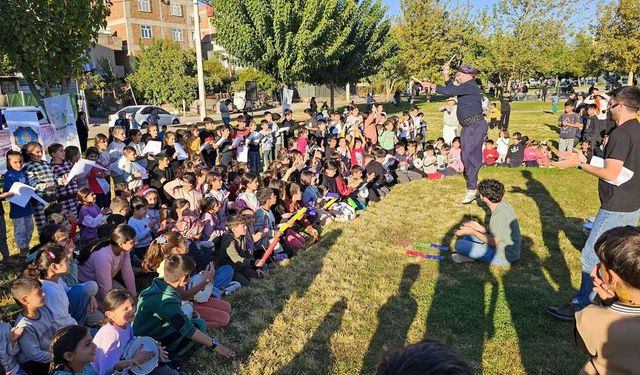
(459,258)
(470,196)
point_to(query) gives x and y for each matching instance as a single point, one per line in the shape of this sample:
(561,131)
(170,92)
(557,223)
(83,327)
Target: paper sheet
(236,141)
(182,154)
(24,193)
(82,168)
(141,169)
(152,148)
(282,130)
(624,176)
(104,185)
(205,146)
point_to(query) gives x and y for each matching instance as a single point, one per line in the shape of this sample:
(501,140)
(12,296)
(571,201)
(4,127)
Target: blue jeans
(472,247)
(79,299)
(254,162)
(471,139)
(223,277)
(605,220)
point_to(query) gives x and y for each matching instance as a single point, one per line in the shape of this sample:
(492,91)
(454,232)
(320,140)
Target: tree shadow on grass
(554,128)
(458,314)
(317,350)
(256,307)
(394,320)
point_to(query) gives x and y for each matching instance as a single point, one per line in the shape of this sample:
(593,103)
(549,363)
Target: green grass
(344,301)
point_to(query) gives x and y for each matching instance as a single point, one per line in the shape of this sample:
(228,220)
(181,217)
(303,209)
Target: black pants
(493,123)
(504,120)
(33,367)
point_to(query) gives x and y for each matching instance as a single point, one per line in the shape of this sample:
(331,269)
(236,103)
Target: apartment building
(140,22)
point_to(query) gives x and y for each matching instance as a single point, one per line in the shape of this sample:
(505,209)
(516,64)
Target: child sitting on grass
(112,339)
(609,333)
(72,351)
(160,316)
(9,348)
(38,324)
(499,243)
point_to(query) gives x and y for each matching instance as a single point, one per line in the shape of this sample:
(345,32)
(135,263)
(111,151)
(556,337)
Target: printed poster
(23,128)
(5,146)
(61,116)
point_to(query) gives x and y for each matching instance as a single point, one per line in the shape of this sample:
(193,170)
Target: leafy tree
(430,32)
(265,82)
(524,37)
(6,68)
(165,73)
(365,49)
(216,76)
(618,36)
(392,70)
(286,39)
(47,40)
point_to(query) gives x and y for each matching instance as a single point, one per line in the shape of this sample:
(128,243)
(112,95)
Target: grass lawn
(344,301)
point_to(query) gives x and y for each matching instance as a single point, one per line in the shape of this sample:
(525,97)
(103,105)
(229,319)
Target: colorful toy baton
(423,244)
(276,237)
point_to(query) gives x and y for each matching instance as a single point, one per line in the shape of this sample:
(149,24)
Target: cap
(468,69)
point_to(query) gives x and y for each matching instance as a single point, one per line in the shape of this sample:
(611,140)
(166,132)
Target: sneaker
(566,312)
(233,287)
(470,196)
(459,258)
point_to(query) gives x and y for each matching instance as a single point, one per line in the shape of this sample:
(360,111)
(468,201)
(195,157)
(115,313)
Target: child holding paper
(39,176)
(66,191)
(131,171)
(22,217)
(98,182)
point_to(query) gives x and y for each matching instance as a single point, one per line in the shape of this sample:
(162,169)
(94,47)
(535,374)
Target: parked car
(142,112)
(42,117)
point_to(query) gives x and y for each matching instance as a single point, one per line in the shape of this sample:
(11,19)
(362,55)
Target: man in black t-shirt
(618,188)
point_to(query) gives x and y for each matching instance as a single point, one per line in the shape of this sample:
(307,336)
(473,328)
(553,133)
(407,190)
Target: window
(177,35)
(145,32)
(176,10)
(144,5)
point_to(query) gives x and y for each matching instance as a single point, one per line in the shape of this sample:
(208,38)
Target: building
(140,22)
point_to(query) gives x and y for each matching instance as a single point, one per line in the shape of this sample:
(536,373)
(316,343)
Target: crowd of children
(203,211)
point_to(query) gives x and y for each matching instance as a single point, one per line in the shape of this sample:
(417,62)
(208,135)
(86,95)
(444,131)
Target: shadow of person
(256,308)
(552,221)
(394,320)
(528,292)
(318,347)
(554,128)
(459,314)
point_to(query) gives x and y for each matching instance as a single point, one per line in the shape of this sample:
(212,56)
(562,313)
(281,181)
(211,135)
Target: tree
(215,75)
(264,82)
(286,39)
(430,32)
(526,36)
(617,36)
(6,68)
(365,49)
(165,73)
(392,69)
(47,40)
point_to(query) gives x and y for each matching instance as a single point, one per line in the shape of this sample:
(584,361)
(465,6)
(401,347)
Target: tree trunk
(34,90)
(630,78)
(388,87)
(64,85)
(332,95)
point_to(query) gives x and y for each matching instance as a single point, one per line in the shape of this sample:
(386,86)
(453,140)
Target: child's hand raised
(15,334)
(209,273)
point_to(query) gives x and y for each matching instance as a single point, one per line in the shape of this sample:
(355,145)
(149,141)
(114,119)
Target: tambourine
(418,163)
(204,294)
(363,192)
(148,345)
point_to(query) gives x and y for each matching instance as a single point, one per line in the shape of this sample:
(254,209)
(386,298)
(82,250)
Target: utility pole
(197,41)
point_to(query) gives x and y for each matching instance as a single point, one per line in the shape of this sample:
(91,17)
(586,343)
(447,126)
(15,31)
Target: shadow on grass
(394,320)
(554,128)
(458,314)
(533,284)
(318,346)
(255,308)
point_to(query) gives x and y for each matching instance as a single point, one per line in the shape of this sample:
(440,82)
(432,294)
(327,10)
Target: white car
(142,112)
